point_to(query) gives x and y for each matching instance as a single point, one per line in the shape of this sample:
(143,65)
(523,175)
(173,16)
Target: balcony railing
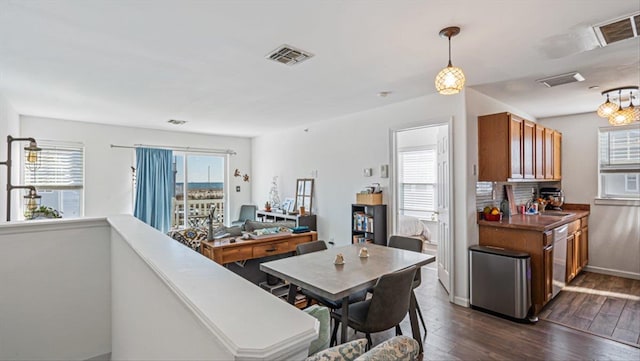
(198,211)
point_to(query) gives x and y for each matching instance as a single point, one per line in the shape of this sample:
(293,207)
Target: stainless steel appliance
(500,280)
(553,196)
(559,258)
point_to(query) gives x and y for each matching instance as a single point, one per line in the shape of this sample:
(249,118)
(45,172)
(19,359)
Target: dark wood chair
(385,309)
(410,244)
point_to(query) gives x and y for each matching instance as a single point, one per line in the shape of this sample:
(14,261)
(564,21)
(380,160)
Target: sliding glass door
(199,189)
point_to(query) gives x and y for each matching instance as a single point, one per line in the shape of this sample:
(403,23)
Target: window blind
(62,167)
(418,178)
(620,149)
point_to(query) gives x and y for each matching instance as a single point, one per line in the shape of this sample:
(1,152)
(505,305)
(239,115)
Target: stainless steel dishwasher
(559,258)
(500,281)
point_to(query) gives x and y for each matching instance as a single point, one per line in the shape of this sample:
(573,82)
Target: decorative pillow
(190,237)
(399,348)
(251,226)
(321,313)
(345,352)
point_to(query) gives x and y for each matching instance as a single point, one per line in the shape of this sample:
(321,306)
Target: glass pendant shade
(31,203)
(632,113)
(450,80)
(620,117)
(607,108)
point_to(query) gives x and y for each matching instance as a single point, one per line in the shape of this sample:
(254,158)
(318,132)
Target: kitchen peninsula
(534,234)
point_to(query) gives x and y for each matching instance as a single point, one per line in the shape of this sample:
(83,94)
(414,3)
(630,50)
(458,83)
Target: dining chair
(247,212)
(410,244)
(316,246)
(385,309)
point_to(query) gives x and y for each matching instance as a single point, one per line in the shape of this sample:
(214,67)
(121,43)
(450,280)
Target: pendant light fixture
(616,114)
(450,80)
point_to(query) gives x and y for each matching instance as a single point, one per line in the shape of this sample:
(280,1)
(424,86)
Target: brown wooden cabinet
(511,148)
(571,258)
(547,262)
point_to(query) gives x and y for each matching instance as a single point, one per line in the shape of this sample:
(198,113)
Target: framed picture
(288,205)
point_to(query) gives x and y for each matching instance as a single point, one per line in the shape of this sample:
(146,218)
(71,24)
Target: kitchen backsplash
(492,193)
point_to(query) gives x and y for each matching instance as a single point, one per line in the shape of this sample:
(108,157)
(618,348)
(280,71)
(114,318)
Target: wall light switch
(237,188)
(367,172)
(384,171)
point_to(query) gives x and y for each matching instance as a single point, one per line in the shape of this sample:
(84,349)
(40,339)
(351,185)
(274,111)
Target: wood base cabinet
(577,247)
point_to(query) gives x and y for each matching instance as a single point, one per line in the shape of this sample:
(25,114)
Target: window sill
(617,202)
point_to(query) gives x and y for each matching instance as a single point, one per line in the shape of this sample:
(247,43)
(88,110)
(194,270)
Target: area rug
(602,305)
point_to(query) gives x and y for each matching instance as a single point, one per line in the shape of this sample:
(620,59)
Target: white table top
(317,272)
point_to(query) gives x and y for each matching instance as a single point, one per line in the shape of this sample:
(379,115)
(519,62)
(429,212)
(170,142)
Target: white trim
(613,272)
(48,225)
(617,202)
(461,301)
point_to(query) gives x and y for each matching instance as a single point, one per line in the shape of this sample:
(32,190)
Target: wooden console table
(223,251)
(308,220)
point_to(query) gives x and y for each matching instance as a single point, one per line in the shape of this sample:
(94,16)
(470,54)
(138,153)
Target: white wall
(614,231)
(107,170)
(338,149)
(9,125)
(55,297)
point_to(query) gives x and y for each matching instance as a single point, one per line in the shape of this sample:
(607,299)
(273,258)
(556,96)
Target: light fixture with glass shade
(450,80)
(616,113)
(32,162)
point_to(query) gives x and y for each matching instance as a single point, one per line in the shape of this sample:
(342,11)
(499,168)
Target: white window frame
(434,185)
(40,188)
(627,168)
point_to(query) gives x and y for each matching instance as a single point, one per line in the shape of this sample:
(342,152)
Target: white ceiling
(141,63)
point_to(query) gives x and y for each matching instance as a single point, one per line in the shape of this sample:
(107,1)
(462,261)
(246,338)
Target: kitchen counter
(542,222)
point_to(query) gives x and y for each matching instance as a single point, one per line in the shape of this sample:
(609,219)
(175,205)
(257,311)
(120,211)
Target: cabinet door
(548,154)
(538,146)
(571,260)
(557,155)
(528,149)
(547,256)
(577,251)
(584,247)
(515,139)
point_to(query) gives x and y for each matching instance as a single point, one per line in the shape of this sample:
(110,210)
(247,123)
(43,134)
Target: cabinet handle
(271,250)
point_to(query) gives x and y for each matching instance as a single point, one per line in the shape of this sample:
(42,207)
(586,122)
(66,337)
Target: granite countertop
(542,222)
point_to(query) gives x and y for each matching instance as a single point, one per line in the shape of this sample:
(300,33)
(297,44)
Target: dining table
(318,272)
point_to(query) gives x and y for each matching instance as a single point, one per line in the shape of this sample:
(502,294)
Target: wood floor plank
(590,307)
(626,335)
(604,324)
(629,320)
(613,306)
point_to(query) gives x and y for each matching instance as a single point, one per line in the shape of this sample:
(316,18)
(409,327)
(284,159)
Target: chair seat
(354,297)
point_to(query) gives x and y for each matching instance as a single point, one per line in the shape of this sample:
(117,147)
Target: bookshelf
(369,224)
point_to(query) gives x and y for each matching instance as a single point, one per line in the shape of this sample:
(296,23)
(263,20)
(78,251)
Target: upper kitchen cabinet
(511,148)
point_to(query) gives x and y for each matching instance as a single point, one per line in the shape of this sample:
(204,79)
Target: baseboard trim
(103,357)
(461,301)
(613,272)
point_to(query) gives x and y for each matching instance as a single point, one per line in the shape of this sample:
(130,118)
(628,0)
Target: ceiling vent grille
(561,79)
(289,55)
(618,29)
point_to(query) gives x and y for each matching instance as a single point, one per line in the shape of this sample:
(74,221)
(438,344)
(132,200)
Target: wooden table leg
(415,328)
(345,317)
(293,291)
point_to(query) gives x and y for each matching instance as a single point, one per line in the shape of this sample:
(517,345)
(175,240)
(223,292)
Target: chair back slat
(390,301)
(309,247)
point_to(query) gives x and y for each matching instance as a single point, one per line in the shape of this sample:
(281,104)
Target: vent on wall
(289,55)
(618,29)
(561,79)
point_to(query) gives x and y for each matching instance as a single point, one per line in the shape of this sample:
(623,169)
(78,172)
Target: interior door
(444,246)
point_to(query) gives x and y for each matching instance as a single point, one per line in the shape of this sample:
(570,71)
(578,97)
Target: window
(619,163)
(417,168)
(60,177)
(199,187)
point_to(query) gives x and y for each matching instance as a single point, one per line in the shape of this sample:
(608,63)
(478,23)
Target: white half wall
(9,125)
(108,187)
(336,151)
(614,231)
(55,297)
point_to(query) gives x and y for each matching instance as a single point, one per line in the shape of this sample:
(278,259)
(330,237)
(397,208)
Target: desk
(316,272)
(223,251)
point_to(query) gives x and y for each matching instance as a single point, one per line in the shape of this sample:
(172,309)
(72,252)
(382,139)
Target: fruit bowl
(493,217)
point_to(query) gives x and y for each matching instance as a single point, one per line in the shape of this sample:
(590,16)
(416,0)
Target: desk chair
(410,244)
(385,309)
(247,213)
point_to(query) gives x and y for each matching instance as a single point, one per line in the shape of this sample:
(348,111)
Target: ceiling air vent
(289,55)
(561,79)
(618,29)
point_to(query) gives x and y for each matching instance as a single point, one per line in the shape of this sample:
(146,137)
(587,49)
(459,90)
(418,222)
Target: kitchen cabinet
(511,148)
(578,250)
(571,258)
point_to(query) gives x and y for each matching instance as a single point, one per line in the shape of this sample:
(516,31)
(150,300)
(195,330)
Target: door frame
(393,161)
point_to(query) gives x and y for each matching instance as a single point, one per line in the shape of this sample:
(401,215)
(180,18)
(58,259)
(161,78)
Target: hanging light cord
(450,65)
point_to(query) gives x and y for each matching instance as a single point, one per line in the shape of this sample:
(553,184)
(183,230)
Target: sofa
(399,348)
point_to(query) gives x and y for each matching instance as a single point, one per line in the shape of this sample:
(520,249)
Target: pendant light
(616,114)
(607,108)
(450,80)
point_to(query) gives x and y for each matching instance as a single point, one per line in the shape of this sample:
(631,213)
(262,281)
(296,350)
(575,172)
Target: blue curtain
(154,176)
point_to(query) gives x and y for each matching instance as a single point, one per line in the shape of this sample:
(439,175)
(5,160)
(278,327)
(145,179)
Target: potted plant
(44,212)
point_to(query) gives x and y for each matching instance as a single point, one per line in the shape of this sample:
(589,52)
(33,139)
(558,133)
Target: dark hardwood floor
(459,333)
(601,304)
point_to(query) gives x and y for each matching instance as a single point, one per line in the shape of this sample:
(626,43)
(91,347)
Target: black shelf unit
(369,223)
